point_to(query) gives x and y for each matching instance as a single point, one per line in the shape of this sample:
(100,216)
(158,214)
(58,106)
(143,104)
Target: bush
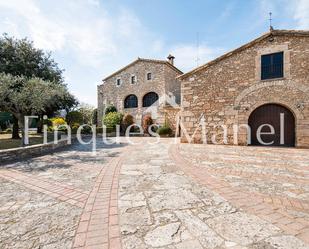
(127,121)
(74,128)
(110,109)
(112,119)
(147,121)
(87,130)
(74,117)
(57,121)
(164,130)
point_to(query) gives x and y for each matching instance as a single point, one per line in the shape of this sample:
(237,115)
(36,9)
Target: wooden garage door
(270,114)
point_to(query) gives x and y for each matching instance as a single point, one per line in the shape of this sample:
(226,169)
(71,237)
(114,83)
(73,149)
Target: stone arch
(251,89)
(269,113)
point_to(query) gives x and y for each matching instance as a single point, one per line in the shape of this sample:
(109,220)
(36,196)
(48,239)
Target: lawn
(6,142)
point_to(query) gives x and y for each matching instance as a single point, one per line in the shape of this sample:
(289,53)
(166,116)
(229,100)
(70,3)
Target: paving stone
(172,199)
(163,235)
(190,244)
(284,242)
(242,228)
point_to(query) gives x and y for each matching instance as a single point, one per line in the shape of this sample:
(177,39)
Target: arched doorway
(272,125)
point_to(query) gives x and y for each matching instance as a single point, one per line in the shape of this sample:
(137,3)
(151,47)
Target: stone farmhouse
(263,84)
(254,85)
(143,87)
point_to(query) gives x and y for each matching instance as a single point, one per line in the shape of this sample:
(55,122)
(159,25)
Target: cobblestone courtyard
(166,195)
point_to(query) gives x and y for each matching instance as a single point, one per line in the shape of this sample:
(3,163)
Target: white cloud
(82,27)
(91,41)
(290,9)
(186,55)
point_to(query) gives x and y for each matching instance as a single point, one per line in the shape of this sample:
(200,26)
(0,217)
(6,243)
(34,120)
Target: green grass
(6,142)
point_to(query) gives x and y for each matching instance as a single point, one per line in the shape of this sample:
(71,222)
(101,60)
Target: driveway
(157,195)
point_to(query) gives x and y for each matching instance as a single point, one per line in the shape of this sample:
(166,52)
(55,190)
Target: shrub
(57,121)
(164,130)
(110,109)
(112,119)
(147,121)
(87,130)
(127,121)
(74,127)
(74,117)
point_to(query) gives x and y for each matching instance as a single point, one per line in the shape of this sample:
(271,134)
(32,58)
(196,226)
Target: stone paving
(157,196)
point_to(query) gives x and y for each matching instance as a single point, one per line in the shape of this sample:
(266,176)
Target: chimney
(170,59)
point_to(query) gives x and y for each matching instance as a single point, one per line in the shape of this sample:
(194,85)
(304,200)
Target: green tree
(95,116)
(87,112)
(19,57)
(22,96)
(74,117)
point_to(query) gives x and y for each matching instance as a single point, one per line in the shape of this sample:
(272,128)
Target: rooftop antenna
(270,21)
(197,49)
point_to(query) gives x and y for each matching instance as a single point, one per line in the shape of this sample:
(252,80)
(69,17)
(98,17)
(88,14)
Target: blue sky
(90,39)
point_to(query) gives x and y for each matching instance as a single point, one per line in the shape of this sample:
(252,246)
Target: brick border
(99,223)
(273,212)
(59,191)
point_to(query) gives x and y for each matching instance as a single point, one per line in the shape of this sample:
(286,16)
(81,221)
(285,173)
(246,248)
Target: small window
(149,76)
(272,66)
(133,79)
(118,82)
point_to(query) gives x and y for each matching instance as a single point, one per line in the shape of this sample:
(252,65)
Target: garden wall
(15,154)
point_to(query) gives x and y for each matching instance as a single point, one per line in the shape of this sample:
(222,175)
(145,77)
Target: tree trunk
(21,122)
(40,124)
(15,132)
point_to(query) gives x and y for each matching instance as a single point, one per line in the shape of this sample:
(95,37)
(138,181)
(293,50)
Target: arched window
(130,101)
(149,99)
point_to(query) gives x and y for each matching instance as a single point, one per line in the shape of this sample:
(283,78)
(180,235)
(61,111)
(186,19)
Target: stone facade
(227,90)
(163,82)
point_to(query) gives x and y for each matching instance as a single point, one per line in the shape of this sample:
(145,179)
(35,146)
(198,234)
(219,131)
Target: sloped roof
(247,45)
(144,60)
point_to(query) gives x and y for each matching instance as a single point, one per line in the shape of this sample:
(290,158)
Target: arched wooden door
(280,118)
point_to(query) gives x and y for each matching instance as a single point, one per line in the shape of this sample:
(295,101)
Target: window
(130,101)
(149,76)
(118,82)
(133,79)
(149,99)
(272,66)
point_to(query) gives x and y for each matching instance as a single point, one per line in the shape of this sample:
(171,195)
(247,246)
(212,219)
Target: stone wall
(163,82)
(169,115)
(17,154)
(226,92)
